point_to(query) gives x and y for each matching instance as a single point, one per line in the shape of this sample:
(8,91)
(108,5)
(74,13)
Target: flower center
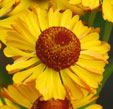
(51,104)
(58,48)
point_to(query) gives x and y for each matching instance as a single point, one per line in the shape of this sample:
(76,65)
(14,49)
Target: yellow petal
(66,16)
(75,8)
(28,75)
(90,40)
(25,4)
(29,92)
(91,3)
(97,52)
(94,106)
(22,64)
(79,29)
(90,37)
(30,23)
(75,2)
(102,48)
(8,6)
(42,17)
(14,39)
(93,55)
(17,96)
(20,28)
(91,79)
(107,8)
(11,51)
(56,18)
(86,100)
(73,90)
(20,77)
(72,22)
(3,33)
(72,76)
(49,85)
(94,66)
(50,18)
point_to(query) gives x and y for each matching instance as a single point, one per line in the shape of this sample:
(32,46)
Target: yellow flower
(57,51)
(107,6)
(29,97)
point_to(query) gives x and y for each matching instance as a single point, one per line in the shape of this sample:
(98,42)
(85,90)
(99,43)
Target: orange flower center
(58,48)
(51,104)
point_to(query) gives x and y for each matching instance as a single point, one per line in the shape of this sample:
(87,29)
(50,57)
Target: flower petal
(22,64)
(79,29)
(91,79)
(86,100)
(107,8)
(92,65)
(73,90)
(94,106)
(17,96)
(42,18)
(66,16)
(49,85)
(11,51)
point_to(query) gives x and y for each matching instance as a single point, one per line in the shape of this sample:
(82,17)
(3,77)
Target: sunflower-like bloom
(107,6)
(28,96)
(57,51)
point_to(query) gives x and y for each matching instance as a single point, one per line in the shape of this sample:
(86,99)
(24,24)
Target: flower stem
(92,17)
(107,74)
(2,99)
(107,31)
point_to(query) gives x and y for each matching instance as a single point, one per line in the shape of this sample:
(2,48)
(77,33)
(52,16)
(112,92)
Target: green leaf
(107,31)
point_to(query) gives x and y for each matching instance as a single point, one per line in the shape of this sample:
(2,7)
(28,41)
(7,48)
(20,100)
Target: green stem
(2,99)
(107,31)
(107,74)
(92,17)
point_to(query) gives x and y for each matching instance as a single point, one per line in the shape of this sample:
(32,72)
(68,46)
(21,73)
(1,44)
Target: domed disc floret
(58,48)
